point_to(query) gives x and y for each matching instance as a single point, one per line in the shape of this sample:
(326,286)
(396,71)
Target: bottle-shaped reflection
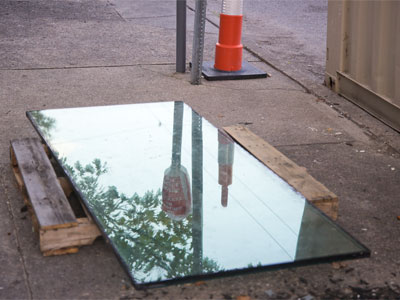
(225,163)
(176,196)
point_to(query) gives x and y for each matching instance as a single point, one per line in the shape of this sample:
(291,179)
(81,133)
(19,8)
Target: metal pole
(197,193)
(198,41)
(181,36)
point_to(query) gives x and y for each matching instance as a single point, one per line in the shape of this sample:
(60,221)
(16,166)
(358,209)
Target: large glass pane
(177,198)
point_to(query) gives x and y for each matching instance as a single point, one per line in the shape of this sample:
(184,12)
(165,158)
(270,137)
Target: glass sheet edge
(365,252)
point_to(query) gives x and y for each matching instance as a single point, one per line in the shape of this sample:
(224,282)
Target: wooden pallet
(296,176)
(46,196)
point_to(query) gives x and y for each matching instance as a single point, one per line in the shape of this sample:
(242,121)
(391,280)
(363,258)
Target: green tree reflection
(154,246)
(45,123)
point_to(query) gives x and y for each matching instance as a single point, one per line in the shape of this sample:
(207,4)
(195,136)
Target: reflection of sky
(262,221)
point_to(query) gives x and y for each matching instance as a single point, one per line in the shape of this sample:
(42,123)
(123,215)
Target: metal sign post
(198,41)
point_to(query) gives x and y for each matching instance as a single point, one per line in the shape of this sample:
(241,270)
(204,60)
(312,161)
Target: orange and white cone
(228,64)
(229,49)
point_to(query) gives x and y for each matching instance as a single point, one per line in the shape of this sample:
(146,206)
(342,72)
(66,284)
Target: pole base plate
(246,72)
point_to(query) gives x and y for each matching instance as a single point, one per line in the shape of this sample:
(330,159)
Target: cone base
(246,72)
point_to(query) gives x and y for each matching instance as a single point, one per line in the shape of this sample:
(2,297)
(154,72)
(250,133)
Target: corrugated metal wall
(363,55)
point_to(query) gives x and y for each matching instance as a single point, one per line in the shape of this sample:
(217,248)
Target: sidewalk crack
(316,144)
(87,67)
(150,17)
(17,239)
(116,11)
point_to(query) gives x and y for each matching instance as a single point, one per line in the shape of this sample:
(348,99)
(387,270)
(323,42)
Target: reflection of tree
(154,246)
(45,123)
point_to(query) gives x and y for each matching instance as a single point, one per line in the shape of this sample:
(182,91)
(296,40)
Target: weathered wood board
(46,196)
(296,176)
(52,240)
(28,156)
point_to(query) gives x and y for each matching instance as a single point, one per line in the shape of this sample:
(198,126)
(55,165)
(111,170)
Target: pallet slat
(57,239)
(296,176)
(47,199)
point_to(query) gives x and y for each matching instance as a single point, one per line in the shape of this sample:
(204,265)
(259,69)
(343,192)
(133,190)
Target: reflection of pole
(176,198)
(177,134)
(225,163)
(197,192)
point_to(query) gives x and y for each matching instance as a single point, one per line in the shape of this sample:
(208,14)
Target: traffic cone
(229,49)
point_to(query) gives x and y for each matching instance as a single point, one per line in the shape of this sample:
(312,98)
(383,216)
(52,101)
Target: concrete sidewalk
(56,54)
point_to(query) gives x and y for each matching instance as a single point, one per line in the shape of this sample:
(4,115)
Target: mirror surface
(177,198)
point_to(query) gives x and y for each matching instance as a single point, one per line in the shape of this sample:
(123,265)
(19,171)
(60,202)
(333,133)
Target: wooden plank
(46,196)
(296,176)
(19,180)
(13,159)
(70,250)
(21,187)
(54,239)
